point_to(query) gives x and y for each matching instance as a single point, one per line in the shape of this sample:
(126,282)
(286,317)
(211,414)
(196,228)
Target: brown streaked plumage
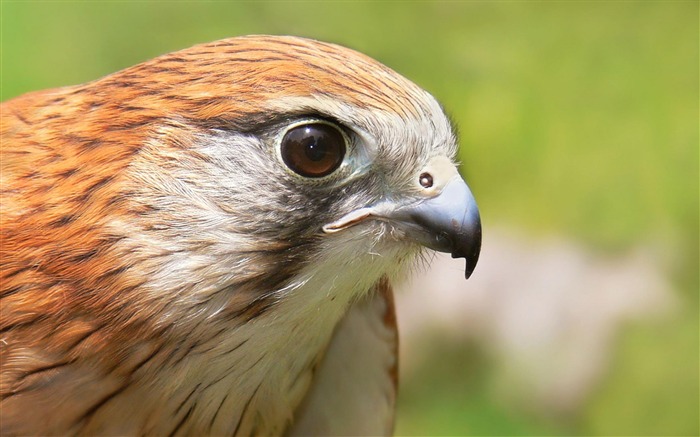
(164,271)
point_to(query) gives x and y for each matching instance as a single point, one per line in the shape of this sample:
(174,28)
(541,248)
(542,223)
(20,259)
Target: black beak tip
(470,252)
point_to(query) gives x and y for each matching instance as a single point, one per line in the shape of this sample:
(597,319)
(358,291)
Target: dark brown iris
(313,150)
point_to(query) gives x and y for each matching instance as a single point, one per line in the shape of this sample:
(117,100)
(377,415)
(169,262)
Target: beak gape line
(447,221)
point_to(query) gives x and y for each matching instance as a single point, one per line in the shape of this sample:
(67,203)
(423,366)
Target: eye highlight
(313,150)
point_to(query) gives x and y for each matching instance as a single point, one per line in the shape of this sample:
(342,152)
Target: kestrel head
(327,149)
(183,237)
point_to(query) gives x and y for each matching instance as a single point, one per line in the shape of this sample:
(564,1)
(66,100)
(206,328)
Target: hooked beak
(446,219)
(448,222)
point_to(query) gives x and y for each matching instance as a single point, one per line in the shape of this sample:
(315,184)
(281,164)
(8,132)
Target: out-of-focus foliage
(577,119)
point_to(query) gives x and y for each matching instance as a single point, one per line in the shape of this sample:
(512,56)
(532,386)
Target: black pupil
(316,147)
(313,150)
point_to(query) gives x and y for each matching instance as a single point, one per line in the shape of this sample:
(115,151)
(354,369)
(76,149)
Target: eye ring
(313,148)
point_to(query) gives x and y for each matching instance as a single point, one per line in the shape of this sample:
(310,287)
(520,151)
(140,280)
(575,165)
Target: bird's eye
(313,150)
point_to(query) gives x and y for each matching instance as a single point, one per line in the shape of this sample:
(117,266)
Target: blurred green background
(578,120)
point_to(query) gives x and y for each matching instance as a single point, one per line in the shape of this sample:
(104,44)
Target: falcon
(204,243)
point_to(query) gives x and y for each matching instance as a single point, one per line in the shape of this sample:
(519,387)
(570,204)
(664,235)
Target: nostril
(426,180)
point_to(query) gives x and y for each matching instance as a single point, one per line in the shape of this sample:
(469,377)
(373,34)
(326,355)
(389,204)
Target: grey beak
(448,222)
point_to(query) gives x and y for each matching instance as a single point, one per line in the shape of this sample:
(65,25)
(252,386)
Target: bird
(204,243)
